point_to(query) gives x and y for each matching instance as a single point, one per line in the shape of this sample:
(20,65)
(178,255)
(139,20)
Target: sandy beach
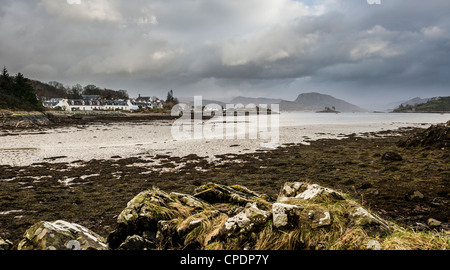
(130,139)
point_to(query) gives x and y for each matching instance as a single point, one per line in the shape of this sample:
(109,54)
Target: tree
(75,92)
(56,84)
(5,82)
(91,90)
(25,92)
(17,93)
(171,98)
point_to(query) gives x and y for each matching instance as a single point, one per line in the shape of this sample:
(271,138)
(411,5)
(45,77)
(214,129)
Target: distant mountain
(304,102)
(415,101)
(316,101)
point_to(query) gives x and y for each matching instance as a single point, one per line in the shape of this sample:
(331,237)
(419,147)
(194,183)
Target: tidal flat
(92,193)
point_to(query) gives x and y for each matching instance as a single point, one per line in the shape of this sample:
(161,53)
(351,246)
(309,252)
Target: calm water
(312,119)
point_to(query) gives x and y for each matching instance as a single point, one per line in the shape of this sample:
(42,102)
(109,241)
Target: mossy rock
(142,215)
(61,235)
(5,244)
(306,192)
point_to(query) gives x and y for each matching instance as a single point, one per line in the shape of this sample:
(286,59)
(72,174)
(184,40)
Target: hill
(438,104)
(316,101)
(304,102)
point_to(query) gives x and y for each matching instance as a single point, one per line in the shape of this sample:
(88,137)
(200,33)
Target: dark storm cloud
(223,48)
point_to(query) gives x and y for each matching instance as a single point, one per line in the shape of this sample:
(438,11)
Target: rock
(365,185)
(391,157)
(293,216)
(246,221)
(414,196)
(142,214)
(434,223)
(61,235)
(242,229)
(316,217)
(234,217)
(136,242)
(188,200)
(286,215)
(436,136)
(24,119)
(373,224)
(305,191)
(373,245)
(5,245)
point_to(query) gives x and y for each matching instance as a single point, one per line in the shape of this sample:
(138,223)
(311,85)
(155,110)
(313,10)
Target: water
(131,139)
(360,119)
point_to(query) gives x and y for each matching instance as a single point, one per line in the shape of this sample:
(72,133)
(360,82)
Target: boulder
(61,235)
(286,215)
(245,221)
(136,242)
(5,245)
(142,214)
(305,191)
(414,196)
(436,136)
(242,229)
(234,217)
(302,204)
(373,225)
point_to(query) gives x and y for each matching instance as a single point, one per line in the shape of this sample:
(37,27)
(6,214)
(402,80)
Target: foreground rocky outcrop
(437,136)
(218,217)
(9,119)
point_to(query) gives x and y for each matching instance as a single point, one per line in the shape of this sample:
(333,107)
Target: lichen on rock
(60,235)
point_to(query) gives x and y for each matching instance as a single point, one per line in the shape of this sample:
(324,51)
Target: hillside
(440,104)
(304,102)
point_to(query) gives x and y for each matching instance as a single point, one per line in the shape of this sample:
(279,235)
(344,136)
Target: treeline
(56,89)
(440,104)
(20,93)
(16,93)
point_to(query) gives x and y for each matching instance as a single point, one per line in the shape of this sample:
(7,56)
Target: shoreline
(101,138)
(92,193)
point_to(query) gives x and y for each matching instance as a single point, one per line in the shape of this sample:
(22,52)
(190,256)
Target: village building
(95,103)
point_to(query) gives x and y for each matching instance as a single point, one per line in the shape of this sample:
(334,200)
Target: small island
(329,110)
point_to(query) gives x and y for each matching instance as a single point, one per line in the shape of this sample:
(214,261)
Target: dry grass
(209,226)
(410,240)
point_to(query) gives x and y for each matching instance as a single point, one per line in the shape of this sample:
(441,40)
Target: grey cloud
(271,48)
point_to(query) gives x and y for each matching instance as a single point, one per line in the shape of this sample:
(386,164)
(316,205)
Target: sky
(366,54)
